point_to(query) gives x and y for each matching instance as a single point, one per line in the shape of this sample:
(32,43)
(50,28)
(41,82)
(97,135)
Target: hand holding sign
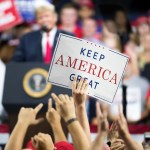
(79,91)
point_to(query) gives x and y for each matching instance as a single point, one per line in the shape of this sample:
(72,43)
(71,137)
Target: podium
(15,95)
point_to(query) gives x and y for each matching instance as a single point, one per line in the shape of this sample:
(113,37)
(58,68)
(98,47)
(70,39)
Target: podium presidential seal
(35,83)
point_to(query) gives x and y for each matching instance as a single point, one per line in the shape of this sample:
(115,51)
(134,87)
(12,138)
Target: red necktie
(48,54)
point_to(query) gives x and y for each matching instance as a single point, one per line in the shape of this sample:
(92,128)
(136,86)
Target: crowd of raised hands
(73,111)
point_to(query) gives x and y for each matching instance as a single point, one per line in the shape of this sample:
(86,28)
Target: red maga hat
(141,20)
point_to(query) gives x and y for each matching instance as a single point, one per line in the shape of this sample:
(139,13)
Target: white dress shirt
(52,34)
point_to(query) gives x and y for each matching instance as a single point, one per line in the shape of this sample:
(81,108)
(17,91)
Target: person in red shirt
(68,19)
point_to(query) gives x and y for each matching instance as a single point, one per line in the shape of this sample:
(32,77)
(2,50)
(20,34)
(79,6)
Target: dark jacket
(30,48)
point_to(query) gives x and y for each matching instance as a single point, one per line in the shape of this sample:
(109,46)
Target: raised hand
(124,133)
(113,132)
(79,91)
(28,115)
(65,106)
(103,125)
(52,115)
(103,128)
(118,144)
(43,142)
(122,124)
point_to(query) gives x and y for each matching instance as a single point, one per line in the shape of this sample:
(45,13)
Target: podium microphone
(44,28)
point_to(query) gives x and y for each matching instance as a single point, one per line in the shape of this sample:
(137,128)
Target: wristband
(70,121)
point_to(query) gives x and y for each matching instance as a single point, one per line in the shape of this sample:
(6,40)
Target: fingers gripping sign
(79,91)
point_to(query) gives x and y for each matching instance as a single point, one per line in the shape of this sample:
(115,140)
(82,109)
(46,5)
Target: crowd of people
(73,111)
(130,37)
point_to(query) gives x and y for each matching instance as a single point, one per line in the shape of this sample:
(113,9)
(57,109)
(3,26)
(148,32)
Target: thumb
(34,142)
(37,121)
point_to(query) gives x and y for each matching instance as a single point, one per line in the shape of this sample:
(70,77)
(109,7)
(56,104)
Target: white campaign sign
(101,66)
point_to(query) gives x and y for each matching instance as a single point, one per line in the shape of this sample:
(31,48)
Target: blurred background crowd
(113,24)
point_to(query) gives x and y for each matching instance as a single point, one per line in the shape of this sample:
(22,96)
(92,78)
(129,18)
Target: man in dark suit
(38,46)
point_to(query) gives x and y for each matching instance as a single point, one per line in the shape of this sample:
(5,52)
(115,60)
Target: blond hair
(42,8)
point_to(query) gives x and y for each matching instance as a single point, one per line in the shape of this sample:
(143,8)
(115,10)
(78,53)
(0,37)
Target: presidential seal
(35,83)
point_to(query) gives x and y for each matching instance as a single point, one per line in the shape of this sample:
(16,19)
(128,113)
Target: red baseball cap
(141,20)
(88,4)
(30,145)
(63,145)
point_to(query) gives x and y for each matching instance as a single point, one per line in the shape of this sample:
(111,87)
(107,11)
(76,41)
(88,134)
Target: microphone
(44,28)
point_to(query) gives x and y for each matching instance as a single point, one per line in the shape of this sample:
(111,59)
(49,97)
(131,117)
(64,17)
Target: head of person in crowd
(113,42)
(142,25)
(69,15)
(69,18)
(109,35)
(132,45)
(22,29)
(6,50)
(123,26)
(109,28)
(122,21)
(86,10)
(148,16)
(141,28)
(132,68)
(46,16)
(89,27)
(146,42)
(145,54)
